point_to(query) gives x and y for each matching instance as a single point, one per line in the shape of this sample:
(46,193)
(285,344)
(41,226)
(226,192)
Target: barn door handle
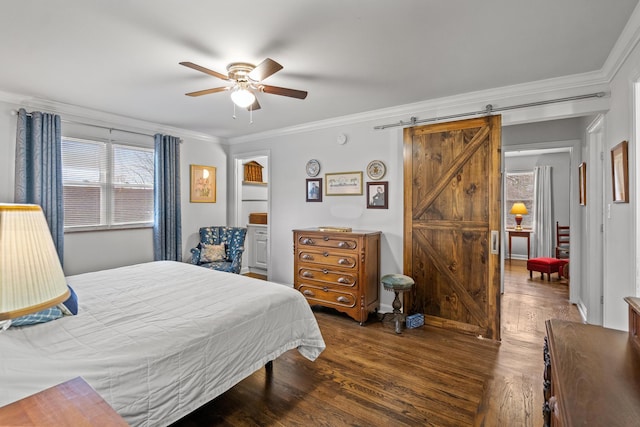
(495,242)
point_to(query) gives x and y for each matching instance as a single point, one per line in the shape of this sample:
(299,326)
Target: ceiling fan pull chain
(234,111)
(251,114)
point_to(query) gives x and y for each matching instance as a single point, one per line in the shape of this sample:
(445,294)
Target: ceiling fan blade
(204,70)
(264,70)
(208,91)
(293,93)
(255,106)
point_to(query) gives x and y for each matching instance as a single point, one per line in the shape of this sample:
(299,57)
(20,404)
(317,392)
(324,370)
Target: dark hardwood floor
(370,376)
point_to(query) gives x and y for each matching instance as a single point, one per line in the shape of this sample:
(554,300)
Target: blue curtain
(167,228)
(38,169)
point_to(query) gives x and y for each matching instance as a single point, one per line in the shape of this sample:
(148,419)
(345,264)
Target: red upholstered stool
(545,265)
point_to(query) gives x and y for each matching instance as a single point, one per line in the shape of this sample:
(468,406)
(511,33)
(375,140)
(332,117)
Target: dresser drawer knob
(326,254)
(325,238)
(342,299)
(307,274)
(343,245)
(343,261)
(343,280)
(325,271)
(307,241)
(308,293)
(307,256)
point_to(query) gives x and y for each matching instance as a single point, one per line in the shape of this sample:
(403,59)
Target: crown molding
(626,42)
(100,118)
(576,84)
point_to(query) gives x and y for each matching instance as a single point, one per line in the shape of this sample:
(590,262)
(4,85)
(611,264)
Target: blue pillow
(45,315)
(70,306)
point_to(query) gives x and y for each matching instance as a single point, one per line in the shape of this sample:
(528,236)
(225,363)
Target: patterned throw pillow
(43,316)
(212,253)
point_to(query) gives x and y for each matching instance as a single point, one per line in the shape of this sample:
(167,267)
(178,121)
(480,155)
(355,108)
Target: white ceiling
(352,56)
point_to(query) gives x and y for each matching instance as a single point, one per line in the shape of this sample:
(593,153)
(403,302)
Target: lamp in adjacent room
(31,277)
(518,209)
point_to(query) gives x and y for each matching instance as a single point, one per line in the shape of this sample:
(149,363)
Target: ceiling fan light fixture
(242,97)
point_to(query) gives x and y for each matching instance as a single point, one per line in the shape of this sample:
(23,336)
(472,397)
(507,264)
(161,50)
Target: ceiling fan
(246,79)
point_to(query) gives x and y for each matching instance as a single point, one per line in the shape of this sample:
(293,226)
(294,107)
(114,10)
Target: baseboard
(582,310)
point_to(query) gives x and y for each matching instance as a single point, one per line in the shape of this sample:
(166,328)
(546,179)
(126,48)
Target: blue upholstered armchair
(233,240)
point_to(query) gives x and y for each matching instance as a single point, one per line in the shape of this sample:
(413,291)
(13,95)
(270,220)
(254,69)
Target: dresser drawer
(329,259)
(328,241)
(329,276)
(328,296)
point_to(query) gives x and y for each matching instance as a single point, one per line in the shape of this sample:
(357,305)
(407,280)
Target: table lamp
(31,277)
(519,209)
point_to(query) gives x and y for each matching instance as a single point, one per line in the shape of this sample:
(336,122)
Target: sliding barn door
(452,204)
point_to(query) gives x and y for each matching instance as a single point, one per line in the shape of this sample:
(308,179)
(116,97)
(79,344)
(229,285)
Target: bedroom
(290,149)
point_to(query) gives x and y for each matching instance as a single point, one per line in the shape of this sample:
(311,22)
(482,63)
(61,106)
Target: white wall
(621,233)
(289,209)
(91,251)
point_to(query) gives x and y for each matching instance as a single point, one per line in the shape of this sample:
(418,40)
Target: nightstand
(73,403)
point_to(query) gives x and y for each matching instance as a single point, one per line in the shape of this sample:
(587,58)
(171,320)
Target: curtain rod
(489,110)
(15,113)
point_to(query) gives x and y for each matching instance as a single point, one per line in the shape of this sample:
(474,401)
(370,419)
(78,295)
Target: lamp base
(518,222)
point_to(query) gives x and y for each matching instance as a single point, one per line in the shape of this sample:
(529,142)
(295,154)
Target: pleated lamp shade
(31,277)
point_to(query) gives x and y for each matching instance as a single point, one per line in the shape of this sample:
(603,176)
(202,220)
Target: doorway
(562,156)
(252,210)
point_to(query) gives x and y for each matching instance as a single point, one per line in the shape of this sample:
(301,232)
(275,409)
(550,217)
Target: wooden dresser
(340,270)
(592,376)
(70,404)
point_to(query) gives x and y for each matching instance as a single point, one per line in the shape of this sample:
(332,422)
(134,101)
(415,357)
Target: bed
(160,339)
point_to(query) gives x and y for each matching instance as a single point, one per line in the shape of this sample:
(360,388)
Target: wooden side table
(70,404)
(520,233)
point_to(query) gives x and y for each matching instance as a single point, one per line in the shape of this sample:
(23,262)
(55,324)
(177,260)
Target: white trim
(101,118)
(577,84)
(628,39)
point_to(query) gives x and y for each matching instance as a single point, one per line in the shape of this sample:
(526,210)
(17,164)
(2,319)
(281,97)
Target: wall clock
(376,169)
(313,167)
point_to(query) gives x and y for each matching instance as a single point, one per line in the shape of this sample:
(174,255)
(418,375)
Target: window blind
(106,184)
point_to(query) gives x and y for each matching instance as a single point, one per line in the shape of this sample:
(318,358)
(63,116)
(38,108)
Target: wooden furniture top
(598,374)
(524,231)
(634,303)
(70,404)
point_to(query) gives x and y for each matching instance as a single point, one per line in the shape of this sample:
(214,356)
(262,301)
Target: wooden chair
(562,241)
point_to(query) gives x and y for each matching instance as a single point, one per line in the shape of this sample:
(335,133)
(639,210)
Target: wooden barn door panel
(452,202)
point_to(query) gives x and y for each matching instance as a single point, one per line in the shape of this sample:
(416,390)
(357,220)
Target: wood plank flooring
(370,376)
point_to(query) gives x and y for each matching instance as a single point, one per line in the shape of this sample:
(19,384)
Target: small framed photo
(377,195)
(314,190)
(582,183)
(203,184)
(343,184)
(620,173)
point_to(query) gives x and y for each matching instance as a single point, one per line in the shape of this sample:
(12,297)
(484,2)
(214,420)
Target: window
(106,185)
(520,187)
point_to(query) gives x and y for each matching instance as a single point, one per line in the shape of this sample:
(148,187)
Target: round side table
(398,283)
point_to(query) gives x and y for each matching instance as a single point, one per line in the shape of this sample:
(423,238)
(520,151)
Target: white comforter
(158,340)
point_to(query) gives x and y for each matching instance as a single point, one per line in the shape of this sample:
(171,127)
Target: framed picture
(203,184)
(620,172)
(343,184)
(377,195)
(314,190)
(582,183)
